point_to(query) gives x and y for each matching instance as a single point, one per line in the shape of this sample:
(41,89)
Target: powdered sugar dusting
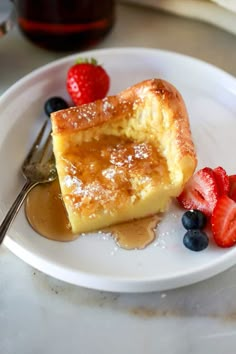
(107,105)
(141,151)
(168,228)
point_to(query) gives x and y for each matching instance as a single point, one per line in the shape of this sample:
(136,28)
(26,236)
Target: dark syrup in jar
(63,25)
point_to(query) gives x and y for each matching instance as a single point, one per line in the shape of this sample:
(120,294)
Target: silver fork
(38,167)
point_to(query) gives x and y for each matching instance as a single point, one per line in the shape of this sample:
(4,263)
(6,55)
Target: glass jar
(65,25)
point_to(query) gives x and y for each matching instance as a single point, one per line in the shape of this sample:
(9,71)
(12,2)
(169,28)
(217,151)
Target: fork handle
(14,209)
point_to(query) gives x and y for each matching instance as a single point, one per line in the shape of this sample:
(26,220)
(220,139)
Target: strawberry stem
(92,61)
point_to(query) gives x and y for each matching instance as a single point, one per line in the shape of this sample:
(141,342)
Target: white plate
(95,261)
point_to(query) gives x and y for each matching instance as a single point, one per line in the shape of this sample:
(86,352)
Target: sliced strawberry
(232,187)
(200,192)
(222,180)
(223,222)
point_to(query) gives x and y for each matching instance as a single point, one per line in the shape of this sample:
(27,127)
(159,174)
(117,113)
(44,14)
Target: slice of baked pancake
(123,157)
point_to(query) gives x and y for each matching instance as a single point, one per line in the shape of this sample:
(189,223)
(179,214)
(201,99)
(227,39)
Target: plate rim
(91,281)
(113,50)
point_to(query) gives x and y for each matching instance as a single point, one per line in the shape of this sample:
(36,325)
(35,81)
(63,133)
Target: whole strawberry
(87,81)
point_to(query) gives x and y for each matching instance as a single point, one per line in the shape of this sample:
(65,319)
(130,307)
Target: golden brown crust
(116,107)
(90,115)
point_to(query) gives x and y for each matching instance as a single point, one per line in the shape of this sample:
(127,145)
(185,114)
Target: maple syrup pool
(46,214)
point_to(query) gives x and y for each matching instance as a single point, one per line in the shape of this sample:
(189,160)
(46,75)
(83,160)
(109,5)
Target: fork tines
(41,149)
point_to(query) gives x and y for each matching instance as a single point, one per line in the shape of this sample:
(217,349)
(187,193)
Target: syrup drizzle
(136,234)
(46,214)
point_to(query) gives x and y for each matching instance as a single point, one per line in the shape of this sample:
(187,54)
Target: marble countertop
(40,314)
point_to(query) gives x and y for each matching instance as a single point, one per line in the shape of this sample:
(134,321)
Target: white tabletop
(42,315)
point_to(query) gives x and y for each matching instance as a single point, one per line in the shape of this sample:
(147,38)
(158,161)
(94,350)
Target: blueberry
(196,240)
(54,104)
(194,219)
